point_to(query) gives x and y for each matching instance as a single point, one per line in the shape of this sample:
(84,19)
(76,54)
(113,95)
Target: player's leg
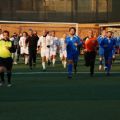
(30,59)
(113,56)
(26,55)
(86,58)
(65,59)
(75,61)
(109,63)
(9,64)
(92,63)
(106,57)
(2,70)
(101,55)
(26,59)
(43,63)
(34,58)
(43,56)
(54,60)
(70,65)
(100,63)
(48,55)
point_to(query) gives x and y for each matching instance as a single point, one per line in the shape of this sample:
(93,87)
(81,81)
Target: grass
(54,97)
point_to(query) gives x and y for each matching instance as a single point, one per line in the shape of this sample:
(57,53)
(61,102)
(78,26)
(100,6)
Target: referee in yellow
(6,62)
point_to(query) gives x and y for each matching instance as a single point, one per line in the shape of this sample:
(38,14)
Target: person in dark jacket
(32,47)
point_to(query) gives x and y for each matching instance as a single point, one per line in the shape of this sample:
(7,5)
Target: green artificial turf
(47,96)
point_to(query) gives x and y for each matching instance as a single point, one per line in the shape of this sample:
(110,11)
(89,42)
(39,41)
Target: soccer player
(90,51)
(109,45)
(101,50)
(72,41)
(63,53)
(24,47)
(32,48)
(54,47)
(15,41)
(44,48)
(6,61)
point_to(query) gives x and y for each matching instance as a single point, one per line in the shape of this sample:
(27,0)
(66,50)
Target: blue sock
(109,66)
(70,69)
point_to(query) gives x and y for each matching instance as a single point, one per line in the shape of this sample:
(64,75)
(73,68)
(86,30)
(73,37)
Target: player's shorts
(24,50)
(6,62)
(108,54)
(73,56)
(101,52)
(52,53)
(45,53)
(63,54)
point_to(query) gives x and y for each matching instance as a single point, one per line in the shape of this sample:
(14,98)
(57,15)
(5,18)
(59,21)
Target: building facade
(80,11)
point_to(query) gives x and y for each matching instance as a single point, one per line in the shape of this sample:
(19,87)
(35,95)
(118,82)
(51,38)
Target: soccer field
(36,95)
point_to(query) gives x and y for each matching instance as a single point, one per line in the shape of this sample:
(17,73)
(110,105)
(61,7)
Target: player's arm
(12,49)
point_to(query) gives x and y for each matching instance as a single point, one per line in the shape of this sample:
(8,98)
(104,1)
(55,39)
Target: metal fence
(82,11)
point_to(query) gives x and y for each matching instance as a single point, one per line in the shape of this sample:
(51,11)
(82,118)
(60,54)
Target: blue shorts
(73,56)
(108,55)
(101,52)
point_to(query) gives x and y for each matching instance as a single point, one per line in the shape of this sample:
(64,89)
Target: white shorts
(24,50)
(63,54)
(52,53)
(45,53)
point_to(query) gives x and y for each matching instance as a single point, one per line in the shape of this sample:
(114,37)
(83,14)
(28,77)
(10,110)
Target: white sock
(65,64)
(26,60)
(53,61)
(43,65)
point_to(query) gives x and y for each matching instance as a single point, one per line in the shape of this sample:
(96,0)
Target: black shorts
(89,58)
(6,62)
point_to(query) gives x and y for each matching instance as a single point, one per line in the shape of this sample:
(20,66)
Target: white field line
(33,73)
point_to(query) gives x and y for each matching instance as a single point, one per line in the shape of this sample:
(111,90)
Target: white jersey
(54,43)
(22,41)
(63,52)
(23,46)
(43,43)
(62,45)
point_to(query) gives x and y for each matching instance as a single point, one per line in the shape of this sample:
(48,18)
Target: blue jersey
(72,49)
(101,50)
(70,43)
(117,41)
(108,45)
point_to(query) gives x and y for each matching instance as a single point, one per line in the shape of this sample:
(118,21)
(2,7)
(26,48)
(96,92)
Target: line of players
(68,47)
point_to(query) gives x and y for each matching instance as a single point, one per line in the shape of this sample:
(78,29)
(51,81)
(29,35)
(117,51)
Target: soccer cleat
(69,76)
(15,63)
(105,68)
(108,74)
(9,85)
(1,84)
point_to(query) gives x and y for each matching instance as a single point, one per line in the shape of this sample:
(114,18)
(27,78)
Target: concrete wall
(60,29)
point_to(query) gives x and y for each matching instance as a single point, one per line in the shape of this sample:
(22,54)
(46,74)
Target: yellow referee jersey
(4,51)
